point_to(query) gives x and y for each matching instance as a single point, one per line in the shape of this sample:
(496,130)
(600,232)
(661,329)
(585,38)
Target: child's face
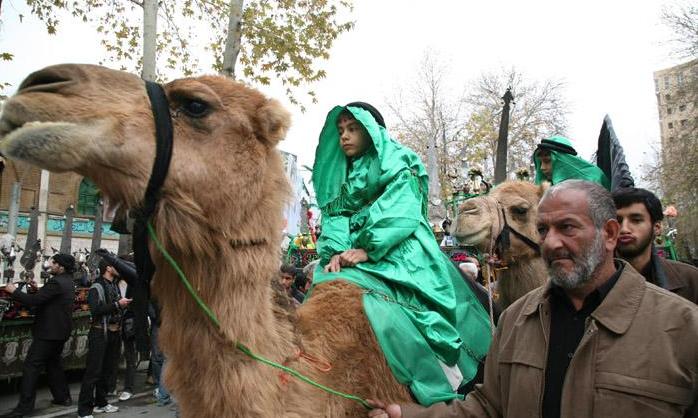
(546,164)
(352,136)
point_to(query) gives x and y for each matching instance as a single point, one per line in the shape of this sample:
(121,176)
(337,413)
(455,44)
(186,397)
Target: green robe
(416,301)
(568,166)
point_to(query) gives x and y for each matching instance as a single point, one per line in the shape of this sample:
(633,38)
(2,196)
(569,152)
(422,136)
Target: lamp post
(500,166)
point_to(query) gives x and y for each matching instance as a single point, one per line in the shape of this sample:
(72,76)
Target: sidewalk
(9,395)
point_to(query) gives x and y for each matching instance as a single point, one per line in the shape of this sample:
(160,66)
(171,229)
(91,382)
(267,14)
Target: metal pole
(500,166)
(14,209)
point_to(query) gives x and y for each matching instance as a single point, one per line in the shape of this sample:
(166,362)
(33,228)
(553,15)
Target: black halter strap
(503,240)
(143,213)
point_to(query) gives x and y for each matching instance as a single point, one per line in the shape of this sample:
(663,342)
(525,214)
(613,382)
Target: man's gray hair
(310,267)
(600,200)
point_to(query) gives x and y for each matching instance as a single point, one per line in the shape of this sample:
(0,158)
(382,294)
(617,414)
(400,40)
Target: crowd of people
(111,337)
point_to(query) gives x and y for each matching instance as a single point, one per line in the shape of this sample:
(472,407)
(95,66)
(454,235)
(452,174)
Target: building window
(670,125)
(683,123)
(88,197)
(682,108)
(679,79)
(667,82)
(667,97)
(668,111)
(656,85)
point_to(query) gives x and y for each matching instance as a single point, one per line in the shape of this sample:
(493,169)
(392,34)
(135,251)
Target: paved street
(142,404)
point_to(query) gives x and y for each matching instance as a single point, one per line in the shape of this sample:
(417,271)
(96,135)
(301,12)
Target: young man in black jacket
(640,217)
(52,327)
(103,341)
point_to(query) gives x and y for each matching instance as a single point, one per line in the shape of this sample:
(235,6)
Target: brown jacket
(638,358)
(681,278)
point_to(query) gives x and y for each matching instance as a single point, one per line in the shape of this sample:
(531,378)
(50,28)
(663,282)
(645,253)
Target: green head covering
(566,164)
(370,172)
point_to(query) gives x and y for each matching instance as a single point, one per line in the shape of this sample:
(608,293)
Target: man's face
(636,230)
(353,138)
(55,268)
(286,280)
(546,164)
(571,246)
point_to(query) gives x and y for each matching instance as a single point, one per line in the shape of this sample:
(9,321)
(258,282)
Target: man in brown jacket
(640,217)
(596,341)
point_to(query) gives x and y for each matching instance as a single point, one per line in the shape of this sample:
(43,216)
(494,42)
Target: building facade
(52,194)
(677,101)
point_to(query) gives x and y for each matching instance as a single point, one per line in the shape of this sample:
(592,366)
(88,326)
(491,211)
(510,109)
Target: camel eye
(519,210)
(195,108)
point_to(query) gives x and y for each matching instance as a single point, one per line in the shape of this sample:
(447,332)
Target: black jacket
(105,311)
(54,307)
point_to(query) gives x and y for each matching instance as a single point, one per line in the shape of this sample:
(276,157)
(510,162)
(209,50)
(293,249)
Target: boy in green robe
(372,192)
(556,161)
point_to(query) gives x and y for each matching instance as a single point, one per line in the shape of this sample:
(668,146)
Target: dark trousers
(102,356)
(131,358)
(42,354)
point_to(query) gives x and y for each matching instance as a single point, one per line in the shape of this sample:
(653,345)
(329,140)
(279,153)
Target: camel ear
(273,120)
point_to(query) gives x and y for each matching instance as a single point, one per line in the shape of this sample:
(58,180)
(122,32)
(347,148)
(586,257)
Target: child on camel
(372,192)
(556,161)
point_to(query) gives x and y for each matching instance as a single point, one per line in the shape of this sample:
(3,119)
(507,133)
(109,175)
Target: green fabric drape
(421,311)
(568,166)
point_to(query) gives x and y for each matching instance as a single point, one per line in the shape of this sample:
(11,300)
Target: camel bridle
(163,156)
(502,242)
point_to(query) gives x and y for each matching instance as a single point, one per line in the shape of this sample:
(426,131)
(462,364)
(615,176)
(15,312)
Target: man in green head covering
(372,192)
(556,161)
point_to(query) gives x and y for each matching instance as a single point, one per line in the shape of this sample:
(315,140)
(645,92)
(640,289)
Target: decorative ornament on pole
(500,166)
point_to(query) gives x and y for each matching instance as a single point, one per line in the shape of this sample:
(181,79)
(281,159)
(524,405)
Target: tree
(432,124)
(538,111)
(682,20)
(280,39)
(678,167)
(454,133)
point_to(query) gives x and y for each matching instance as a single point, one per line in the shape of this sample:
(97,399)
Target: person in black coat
(53,325)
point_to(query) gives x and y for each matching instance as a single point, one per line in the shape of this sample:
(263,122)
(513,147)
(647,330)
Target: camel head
(480,219)
(98,123)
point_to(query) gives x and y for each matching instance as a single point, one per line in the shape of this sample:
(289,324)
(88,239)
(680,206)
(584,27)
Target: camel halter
(143,229)
(498,246)
(503,240)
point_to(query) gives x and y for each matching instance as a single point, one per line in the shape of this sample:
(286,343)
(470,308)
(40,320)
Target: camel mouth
(471,238)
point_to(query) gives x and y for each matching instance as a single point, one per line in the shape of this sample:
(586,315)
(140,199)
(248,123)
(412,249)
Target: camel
(220,217)
(480,220)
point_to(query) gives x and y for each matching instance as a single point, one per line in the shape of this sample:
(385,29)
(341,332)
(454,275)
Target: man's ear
(612,230)
(657,228)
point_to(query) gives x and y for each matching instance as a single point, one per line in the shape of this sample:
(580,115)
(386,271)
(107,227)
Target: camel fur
(220,217)
(479,222)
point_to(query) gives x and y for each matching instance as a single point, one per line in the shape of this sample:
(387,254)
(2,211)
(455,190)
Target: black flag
(611,159)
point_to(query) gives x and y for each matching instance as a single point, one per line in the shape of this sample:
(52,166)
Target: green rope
(238,345)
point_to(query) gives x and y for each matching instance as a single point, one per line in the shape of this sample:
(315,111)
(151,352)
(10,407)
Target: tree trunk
(232,41)
(150,34)
(436,209)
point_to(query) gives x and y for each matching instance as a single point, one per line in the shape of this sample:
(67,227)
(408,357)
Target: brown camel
(480,221)
(220,216)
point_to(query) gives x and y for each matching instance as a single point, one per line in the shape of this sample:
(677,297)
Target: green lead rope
(212,316)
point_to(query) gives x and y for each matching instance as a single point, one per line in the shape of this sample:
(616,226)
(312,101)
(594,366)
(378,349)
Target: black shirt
(567,326)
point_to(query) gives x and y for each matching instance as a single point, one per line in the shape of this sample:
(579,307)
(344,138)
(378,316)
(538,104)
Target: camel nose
(49,79)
